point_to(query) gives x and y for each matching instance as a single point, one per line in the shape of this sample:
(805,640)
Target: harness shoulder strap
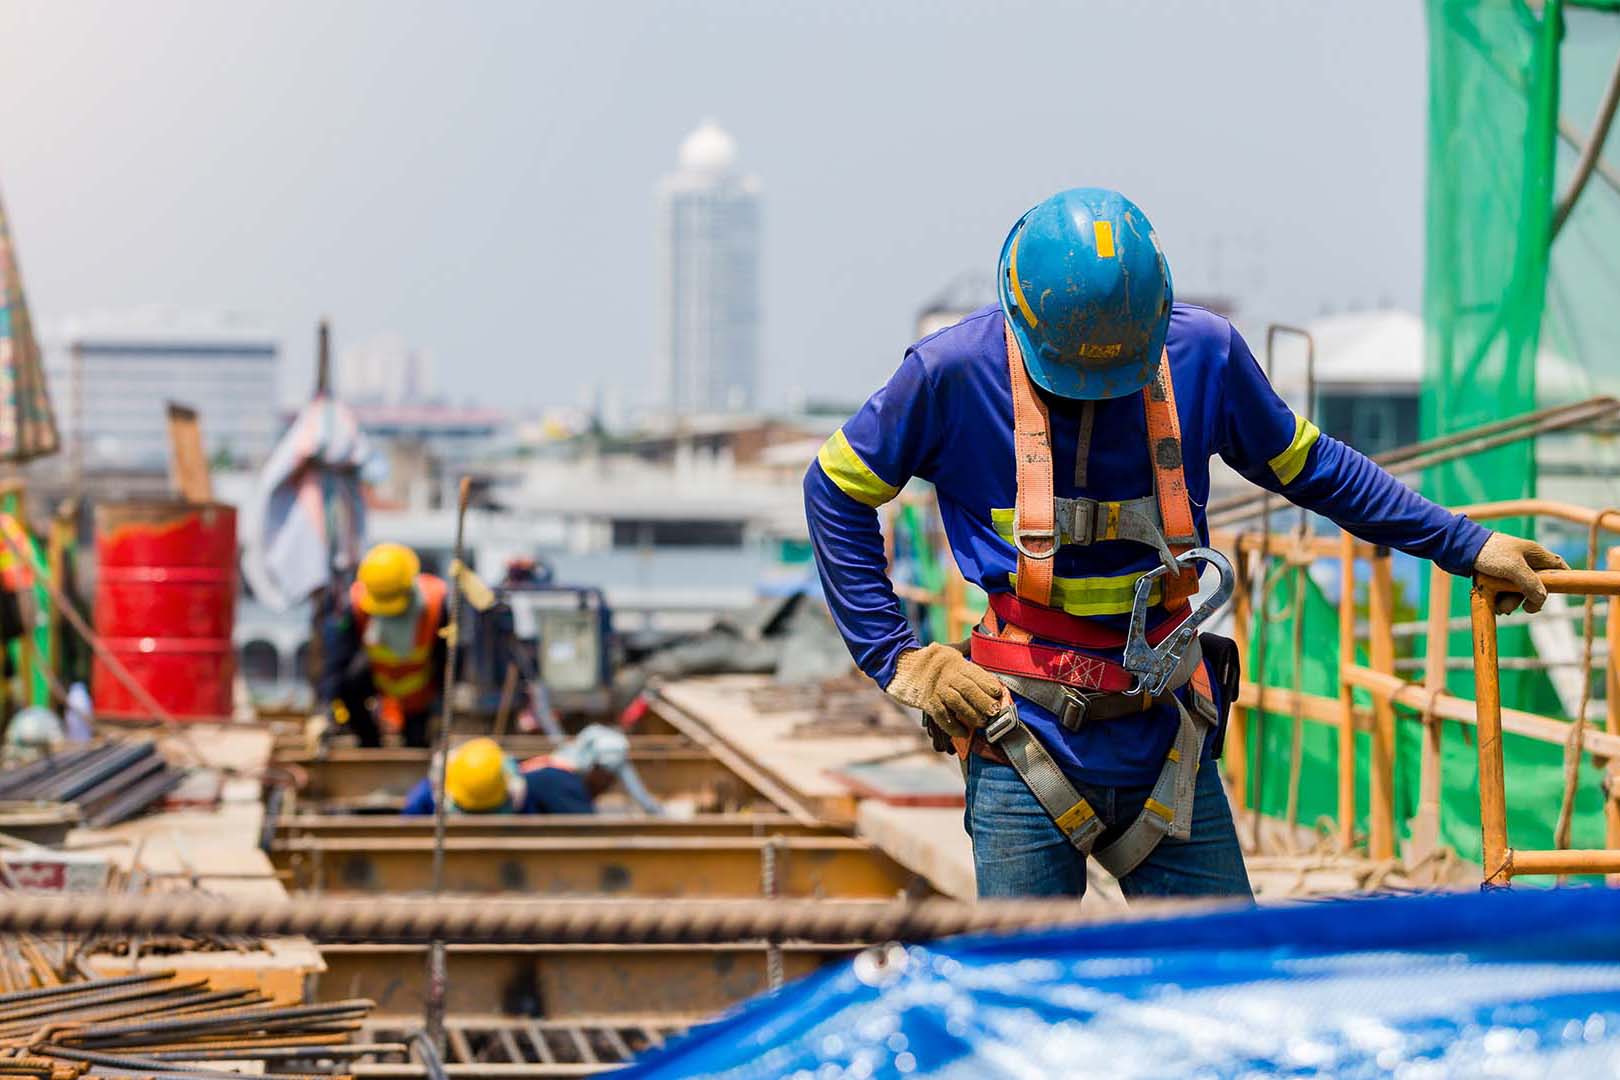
(1034,528)
(1170,478)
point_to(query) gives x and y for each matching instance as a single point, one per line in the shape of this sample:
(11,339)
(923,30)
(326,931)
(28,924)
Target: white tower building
(708,271)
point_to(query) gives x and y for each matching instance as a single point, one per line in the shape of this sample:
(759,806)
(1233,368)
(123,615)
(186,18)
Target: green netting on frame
(1519,314)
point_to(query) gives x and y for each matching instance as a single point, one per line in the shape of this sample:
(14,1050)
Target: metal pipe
(1446,448)
(1488,699)
(1590,153)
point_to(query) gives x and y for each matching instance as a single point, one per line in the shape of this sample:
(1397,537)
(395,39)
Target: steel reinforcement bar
(550,921)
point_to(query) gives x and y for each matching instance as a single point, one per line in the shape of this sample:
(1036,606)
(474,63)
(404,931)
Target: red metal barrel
(166,605)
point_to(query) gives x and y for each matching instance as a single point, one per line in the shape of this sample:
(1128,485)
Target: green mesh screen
(1519,314)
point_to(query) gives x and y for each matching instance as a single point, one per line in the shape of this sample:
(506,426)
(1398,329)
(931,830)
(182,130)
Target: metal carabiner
(1153,666)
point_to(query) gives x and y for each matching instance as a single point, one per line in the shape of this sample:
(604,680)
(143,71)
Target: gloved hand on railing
(954,693)
(1516,561)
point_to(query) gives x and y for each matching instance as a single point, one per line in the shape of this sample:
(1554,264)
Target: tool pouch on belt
(1226,673)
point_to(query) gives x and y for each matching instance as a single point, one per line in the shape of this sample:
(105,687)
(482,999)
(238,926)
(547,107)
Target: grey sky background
(478,177)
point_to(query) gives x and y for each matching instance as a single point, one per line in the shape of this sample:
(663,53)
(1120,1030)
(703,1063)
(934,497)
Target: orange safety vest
(407,678)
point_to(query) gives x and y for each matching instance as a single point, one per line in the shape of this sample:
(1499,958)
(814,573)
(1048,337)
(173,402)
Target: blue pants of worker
(1018,851)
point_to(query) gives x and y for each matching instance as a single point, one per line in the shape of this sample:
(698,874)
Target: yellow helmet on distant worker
(475,776)
(387,576)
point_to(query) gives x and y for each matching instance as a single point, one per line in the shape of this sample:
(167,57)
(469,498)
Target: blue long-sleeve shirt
(946,416)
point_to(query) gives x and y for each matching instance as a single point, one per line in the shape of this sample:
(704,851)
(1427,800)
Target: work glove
(954,693)
(1516,561)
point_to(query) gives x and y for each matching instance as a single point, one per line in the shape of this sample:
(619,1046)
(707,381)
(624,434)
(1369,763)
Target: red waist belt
(1057,664)
(1063,665)
(1073,630)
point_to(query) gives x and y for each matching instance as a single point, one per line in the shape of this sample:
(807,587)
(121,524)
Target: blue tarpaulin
(1517,984)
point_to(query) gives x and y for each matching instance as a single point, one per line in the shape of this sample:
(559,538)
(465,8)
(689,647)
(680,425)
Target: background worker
(481,778)
(385,648)
(1067,432)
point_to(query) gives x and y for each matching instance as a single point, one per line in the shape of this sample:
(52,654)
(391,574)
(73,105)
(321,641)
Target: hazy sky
(478,176)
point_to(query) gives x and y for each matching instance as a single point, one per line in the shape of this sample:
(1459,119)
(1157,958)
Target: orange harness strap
(1170,479)
(1034,527)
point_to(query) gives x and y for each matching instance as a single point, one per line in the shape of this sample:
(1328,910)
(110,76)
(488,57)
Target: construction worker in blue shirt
(1067,432)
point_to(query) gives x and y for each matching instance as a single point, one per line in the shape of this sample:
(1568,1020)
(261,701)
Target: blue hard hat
(1087,293)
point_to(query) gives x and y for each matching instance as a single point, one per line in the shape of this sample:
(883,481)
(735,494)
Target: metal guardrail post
(1347,717)
(1381,657)
(1502,862)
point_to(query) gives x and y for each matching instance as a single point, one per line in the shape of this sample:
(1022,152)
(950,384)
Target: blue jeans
(1018,851)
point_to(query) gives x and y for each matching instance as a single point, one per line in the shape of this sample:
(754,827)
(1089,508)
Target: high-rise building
(113,374)
(383,370)
(709,277)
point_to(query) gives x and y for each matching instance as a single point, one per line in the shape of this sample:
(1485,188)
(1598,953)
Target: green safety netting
(1519,312)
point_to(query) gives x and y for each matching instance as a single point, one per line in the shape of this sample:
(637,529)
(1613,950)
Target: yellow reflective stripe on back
(854,478)
(1096,595)
(403,686)
(1160,809)
(1082,596)
(1075,816)
(1288,464)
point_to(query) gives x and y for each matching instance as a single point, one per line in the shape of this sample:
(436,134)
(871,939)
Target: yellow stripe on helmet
(1017,289)
(853,476)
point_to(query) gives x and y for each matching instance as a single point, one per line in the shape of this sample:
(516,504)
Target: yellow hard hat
(475,776)
(387,575)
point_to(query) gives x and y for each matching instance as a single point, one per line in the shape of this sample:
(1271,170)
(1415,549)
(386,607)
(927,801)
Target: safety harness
(1078,686)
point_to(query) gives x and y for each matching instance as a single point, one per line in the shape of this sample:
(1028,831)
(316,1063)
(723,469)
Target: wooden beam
(188,464)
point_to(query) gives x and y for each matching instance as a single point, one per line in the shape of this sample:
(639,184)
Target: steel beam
(672,983)
(382,826)
(618,866)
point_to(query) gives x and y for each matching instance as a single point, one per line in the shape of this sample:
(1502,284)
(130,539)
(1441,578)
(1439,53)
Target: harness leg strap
(1067,807)
(1169,807)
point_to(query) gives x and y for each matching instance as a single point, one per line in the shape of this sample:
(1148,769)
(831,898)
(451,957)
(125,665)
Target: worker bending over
(385,648)
(481,778)
(1067,432)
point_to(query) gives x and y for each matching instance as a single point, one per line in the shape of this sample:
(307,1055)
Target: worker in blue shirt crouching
(481,778)
(1067,432)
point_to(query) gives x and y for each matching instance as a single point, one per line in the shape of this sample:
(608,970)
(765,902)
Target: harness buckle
(1001,724)
(1075,708)
(1049,536)
(1153,666)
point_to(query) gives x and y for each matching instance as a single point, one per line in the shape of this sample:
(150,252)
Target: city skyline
(497,215)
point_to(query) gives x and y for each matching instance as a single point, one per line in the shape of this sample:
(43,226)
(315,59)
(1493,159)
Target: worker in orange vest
(384,651)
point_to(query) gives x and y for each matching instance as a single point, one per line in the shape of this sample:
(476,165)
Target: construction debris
(108,782)
(152,1022)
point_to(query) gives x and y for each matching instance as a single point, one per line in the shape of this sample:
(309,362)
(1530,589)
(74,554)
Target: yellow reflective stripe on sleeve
(1075,816)
(1288,464)
(1159,808)
(845,468)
